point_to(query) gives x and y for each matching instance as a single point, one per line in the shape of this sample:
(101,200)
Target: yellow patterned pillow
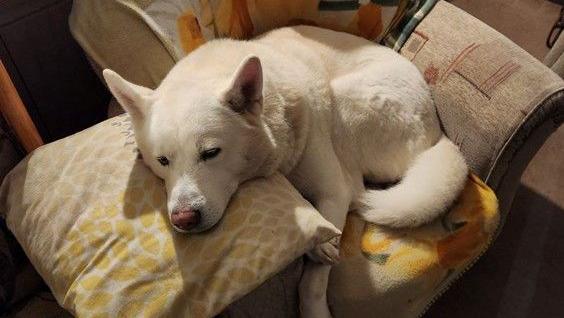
(92,219)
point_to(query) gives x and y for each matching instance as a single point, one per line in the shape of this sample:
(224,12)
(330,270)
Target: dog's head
(202,136)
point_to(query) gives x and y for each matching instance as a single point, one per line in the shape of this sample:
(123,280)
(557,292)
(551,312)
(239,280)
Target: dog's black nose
(185,219)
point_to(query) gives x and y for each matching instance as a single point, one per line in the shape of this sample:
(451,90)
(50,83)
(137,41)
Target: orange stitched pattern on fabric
(370,21)
(241,23)
(189,32)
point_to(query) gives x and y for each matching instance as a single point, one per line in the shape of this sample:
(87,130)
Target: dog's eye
(210,153)
(163,160)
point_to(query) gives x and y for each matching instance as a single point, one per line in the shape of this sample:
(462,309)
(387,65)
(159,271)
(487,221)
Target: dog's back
(299,55)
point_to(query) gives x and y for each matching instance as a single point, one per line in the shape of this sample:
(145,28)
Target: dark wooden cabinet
(62,93)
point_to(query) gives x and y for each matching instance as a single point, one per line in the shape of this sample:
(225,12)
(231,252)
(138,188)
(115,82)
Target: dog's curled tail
(429,187)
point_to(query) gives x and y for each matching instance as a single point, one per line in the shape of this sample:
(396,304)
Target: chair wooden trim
(15,113)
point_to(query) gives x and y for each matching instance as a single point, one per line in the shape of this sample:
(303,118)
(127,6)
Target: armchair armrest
(117,35)
(497,102)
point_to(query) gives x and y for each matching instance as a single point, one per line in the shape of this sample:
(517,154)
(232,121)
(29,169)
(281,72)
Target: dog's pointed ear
(133,98)
(244,94)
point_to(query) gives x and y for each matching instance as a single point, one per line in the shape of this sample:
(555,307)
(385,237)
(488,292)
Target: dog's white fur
(329,110)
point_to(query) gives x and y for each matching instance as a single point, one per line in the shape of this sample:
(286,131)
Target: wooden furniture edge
(15,113)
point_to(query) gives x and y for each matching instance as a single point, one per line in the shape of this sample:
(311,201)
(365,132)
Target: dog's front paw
(326,253)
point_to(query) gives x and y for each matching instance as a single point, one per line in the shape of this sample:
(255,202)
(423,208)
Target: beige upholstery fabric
(483,84)
(555,57)
(121,40)
(276,298)
(521,148)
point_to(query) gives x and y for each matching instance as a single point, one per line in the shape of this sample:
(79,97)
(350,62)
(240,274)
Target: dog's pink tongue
(185,219)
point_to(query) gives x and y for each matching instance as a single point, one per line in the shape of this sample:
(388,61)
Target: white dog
(329,110)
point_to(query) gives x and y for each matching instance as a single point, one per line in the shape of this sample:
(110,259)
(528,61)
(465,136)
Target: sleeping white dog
(328,110)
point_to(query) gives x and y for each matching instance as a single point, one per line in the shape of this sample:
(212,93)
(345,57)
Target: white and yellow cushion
(398,272)
(187,24)
(92,219)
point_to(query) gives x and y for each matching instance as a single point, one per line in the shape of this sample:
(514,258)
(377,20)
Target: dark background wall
(52,75)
